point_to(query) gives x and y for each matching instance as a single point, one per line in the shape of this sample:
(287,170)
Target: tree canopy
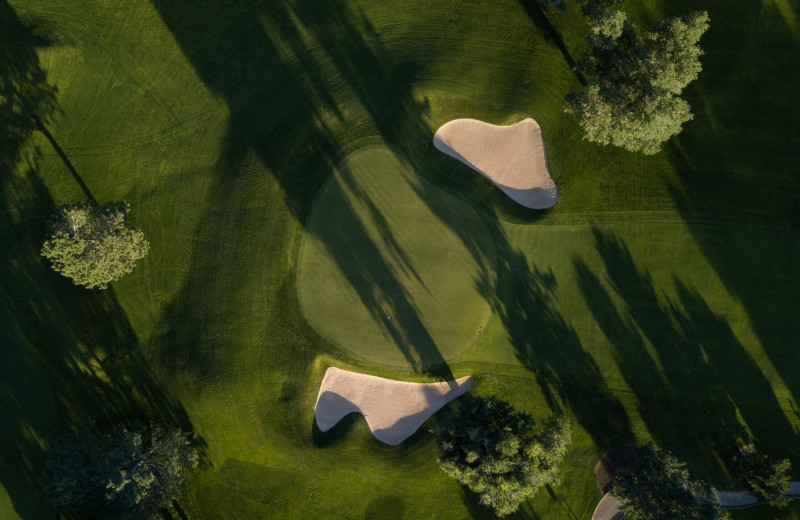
(763,478)
(92,244)
(497,452)
(657,486)
(632,99)
(129,472)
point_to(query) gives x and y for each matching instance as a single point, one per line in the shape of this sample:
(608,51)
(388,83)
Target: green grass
(220,124)
(382,277)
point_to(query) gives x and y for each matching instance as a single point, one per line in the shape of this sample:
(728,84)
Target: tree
(92,244)
(657,486)
(632,99)
(130,472)
(765,479)
(497,452)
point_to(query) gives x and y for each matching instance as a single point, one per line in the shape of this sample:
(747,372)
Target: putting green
(393,269)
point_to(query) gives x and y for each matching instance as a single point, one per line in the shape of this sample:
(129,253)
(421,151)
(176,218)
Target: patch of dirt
(612,464)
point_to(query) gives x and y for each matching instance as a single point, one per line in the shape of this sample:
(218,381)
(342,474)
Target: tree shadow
(699,391)
(257,482)
(280,67)
(40,125)
(70,355)
(540,20)
(738,160)
(548,345)
(335,435)
(478,511)
(386,507)
(26,99)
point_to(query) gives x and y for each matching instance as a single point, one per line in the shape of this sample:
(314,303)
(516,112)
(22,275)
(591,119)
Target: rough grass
(220,124)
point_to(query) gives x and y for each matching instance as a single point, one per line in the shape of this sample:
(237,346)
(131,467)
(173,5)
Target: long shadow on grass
(27,101)
(738,158)
(537,15)
(548,345)
(26,98)
(699,391)
(284,69)
(69,354)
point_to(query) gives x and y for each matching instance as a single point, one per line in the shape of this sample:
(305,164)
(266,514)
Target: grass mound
(384,275)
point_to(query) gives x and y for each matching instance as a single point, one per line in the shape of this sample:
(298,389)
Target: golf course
(279,158)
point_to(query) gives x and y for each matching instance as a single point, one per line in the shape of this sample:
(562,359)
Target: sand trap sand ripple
(394,410)
(513,157)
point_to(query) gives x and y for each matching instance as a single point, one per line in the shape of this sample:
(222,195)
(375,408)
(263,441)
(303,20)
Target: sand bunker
(393,409)
(512,157)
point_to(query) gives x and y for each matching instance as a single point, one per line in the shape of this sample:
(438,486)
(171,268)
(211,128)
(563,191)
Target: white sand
(513,157)
(393,409)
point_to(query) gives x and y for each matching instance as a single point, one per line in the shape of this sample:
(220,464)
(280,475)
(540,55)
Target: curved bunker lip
(512,157)
(394,410)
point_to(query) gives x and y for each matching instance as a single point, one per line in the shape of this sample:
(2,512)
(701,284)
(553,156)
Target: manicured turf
(634,306)
(382,273)
(220,125)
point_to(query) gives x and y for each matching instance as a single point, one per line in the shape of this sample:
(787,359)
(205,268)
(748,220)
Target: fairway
(383,273)
(278,156)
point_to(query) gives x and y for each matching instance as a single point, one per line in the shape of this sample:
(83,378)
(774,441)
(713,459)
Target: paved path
(608,508)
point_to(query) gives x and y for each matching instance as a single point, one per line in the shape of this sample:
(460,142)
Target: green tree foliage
(92,244)
(632,99)
(763,478)
(497,452)
(657,486)
(130,472)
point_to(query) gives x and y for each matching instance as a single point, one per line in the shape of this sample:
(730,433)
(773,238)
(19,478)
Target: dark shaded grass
(739,157)
(290,114)
(70,356)
(696,369)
